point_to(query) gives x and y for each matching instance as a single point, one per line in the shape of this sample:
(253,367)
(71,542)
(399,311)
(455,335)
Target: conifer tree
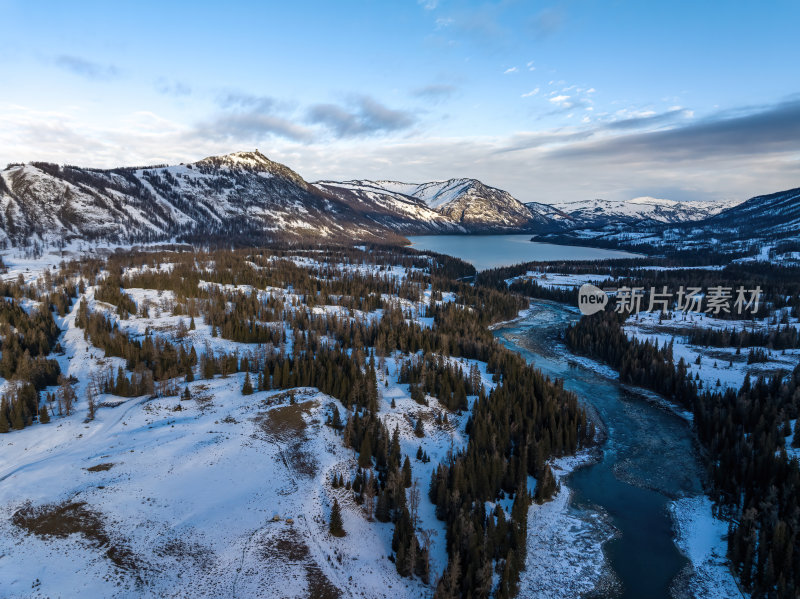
(383,511)
(336,527)
(449,584)
(44,417)
(407,473)
(365,453)
(17,421)
(247,388)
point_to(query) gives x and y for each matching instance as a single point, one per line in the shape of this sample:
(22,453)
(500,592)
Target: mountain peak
(244,159)
(254,162)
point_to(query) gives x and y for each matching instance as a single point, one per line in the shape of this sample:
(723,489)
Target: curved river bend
(648,460)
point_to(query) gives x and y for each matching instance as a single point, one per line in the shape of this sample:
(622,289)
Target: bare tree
(369,496)
(182,330)
(66,395)
(427,535)
(96,382)
(90,402)
(414,500)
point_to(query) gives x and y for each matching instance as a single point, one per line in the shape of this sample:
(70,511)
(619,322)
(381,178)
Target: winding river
(648,460)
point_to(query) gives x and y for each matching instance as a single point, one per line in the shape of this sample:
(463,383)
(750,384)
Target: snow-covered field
(721,364)
(553,280)
(186,495)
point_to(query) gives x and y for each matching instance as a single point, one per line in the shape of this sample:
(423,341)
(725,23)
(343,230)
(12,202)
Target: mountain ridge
(469,204)
(246,197)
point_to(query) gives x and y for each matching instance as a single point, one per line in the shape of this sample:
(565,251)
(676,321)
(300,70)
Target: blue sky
(554,101)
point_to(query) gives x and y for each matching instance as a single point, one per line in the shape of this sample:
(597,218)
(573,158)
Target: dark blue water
(648,459)
(491,251)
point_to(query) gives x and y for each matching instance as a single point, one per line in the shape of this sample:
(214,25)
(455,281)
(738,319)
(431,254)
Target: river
(614,531)
(648,460)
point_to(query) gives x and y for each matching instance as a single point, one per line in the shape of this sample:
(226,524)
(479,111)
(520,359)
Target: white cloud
(510,70)
(559,99)
(533,92)
(530,66)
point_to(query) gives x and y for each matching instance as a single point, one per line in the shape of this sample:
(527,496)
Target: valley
(365,418)
(399,300)
(229,470)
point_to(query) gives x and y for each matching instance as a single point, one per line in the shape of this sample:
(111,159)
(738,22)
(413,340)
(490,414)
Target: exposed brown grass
(289,548)
(74,517)
(101,467)
(285,422)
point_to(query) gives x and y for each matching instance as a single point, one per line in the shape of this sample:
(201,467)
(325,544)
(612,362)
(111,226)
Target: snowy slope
(391,207)
(547,211)
(219,495)
(778,213)
(465,204)
(243,195)
(599,213)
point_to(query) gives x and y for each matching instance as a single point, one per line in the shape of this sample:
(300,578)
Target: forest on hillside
(328,319)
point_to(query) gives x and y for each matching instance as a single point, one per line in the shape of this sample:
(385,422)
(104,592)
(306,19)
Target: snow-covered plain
(559,280)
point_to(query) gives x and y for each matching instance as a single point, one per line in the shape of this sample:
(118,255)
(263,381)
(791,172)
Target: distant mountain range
(765,226)
(247,197)
(597,214)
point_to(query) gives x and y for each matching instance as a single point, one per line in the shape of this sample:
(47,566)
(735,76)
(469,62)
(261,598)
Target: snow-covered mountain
(465,204)
(776,215)
(599,213)
(763,227)
(548,213)
(244,195)
(247,198)
(394,209)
